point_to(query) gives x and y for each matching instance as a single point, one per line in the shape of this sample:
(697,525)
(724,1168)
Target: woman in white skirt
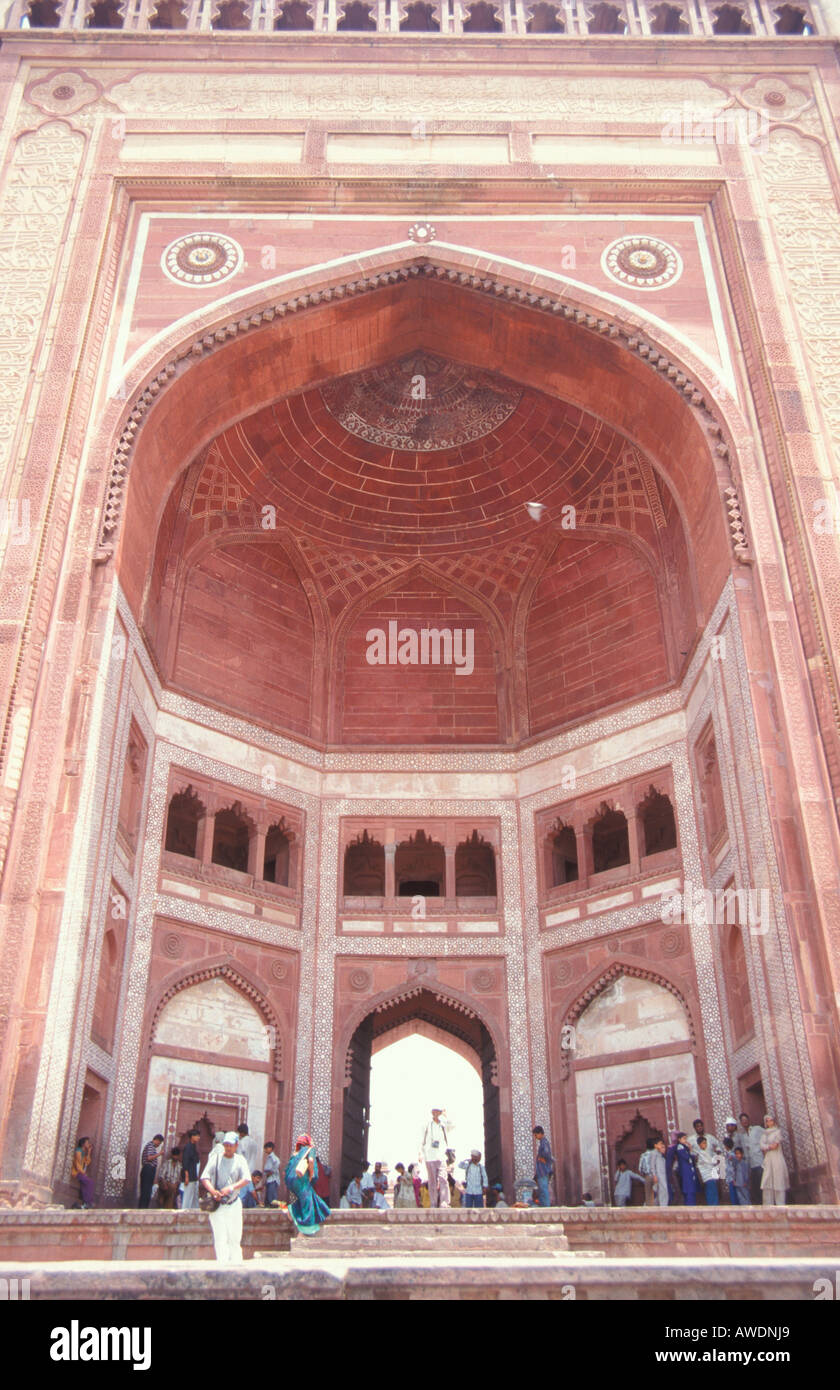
(775,1179)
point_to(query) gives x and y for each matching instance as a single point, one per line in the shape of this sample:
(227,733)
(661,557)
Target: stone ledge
(428,1277)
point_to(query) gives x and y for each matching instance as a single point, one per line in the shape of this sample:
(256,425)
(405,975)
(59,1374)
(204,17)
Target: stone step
(322,1247)
(429,1279)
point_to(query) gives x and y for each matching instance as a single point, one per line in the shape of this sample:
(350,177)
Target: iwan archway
(615,428)
(448,1021)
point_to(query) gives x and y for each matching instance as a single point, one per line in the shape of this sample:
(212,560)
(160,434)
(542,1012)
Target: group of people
(472,1189)
(173,1181)
(448,1183)
(747,1166)
(227,1177)
(230,1180)
(440,1188)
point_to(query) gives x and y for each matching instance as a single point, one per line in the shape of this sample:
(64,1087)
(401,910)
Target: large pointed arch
(422,569)
(449,1011)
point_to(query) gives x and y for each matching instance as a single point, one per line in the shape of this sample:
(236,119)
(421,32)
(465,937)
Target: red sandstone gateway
(289,365)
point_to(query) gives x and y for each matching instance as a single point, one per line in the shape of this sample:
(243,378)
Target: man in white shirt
(433,1148)
(646,1171)
(224,1177)
(367,1186)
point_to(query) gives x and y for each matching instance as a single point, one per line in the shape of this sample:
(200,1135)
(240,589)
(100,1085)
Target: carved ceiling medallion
(421,402)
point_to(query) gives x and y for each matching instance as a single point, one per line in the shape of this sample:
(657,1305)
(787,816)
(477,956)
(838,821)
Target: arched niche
(627,1014)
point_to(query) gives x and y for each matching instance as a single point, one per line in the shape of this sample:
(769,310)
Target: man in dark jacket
(189,1172)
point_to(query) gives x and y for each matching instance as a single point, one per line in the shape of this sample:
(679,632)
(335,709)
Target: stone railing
(555,18)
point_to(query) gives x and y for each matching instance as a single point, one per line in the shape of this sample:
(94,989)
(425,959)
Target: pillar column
(204,839)
(633,838)
(449,883)
(256,850)
(390,876)
(583,840)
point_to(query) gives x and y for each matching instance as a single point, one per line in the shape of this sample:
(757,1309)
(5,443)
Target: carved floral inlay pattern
(64,92)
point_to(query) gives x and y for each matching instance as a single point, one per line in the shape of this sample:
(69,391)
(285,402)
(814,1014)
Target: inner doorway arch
(447,1021)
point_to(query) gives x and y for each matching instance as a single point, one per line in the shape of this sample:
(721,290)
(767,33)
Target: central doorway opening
(410,1073)
(419,1044)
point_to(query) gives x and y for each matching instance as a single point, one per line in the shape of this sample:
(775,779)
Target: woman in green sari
(306,1208)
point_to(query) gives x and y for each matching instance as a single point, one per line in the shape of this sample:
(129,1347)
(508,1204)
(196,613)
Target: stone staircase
(559,1253)
(576,1232)
(510,1233)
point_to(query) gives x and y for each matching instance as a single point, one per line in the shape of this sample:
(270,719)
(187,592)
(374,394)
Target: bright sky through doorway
(407,1079)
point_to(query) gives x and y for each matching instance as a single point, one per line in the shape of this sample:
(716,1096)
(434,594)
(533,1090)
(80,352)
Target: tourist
(416,1181)
(708,1170)
(224,1176)
(544,1167)
(712,1143)
(659,1170)
(738,1177)
(367,1186)
(168,1178)
(775,1179)
(82,1157)
(148,1169)
(307,1210)
(475,1180)
(754,1154)
(730,1124)
(380,1179)
(190,1163)
(433,1148)
(682,1177)
(646,1171)
(322,1182)
(742,1133)
(624,1179)
(271,1170)
(248,1149)
(404,1189)
(354,1192)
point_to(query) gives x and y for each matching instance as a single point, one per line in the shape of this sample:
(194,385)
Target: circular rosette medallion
(203,259)
(642,263)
